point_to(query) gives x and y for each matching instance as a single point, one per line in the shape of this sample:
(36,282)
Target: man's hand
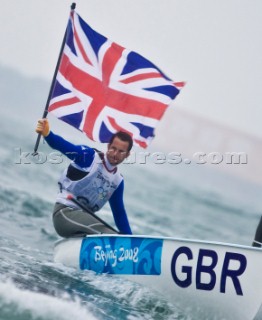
(43,127)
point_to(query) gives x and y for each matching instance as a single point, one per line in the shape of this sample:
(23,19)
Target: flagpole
(73,5)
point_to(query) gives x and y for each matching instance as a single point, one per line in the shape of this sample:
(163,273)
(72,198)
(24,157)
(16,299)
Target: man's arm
(81,155)
(117,206)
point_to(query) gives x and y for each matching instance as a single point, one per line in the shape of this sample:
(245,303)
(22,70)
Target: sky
(213,45)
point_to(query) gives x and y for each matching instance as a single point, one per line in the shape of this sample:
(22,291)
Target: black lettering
(233,274)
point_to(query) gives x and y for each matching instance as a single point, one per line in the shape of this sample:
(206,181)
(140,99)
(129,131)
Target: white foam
(41,305)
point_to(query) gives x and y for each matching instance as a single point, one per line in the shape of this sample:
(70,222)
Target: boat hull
(209,278)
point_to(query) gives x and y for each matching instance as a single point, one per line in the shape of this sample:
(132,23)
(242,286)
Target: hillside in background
(195,138)
(211,144)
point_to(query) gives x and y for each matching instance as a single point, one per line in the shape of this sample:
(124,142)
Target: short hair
(124,136)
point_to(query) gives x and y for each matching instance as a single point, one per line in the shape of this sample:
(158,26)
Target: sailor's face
(117,151)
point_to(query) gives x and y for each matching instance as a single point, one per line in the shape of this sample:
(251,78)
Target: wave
(19,304)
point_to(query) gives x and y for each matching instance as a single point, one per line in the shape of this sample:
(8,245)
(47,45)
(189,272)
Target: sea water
(161,200)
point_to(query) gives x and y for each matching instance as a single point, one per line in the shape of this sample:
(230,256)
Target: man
(93,179)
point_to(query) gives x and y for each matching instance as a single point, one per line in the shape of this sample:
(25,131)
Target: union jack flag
(102,88)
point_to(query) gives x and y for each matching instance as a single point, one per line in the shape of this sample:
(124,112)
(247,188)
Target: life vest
(92,186)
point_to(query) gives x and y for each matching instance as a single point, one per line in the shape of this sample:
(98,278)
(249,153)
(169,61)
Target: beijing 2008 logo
(121,255)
